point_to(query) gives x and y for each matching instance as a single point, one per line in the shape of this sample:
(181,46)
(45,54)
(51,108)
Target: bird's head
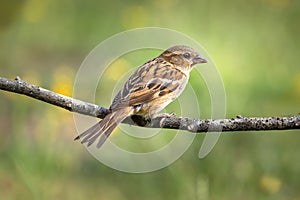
(183,56)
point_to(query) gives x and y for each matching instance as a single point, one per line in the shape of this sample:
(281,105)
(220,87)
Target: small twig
(194,125)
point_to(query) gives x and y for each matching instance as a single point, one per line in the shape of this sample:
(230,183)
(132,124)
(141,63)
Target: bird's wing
(152,80)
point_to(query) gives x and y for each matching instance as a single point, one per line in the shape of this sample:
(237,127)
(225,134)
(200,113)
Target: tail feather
(94,128)
(103,128)
(106,134)
(107,129)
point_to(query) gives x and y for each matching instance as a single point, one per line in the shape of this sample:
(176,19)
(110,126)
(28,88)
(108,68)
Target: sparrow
(149,89)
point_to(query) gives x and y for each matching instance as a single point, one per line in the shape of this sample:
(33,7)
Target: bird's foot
(165,115)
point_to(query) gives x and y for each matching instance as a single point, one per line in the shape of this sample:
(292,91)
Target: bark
(239,123)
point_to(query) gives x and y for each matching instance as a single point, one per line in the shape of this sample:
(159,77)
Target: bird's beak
(199,59)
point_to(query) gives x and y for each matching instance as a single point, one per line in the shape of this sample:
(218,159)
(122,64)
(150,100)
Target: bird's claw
(165,115)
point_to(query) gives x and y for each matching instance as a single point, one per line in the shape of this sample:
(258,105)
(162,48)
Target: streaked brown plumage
(151,88)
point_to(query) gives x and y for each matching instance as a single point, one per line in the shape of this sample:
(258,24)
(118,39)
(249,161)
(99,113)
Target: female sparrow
(150,89)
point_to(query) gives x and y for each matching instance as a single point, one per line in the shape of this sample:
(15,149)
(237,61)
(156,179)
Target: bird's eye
(187,55)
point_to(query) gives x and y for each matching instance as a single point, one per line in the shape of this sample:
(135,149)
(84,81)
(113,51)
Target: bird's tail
(104,128)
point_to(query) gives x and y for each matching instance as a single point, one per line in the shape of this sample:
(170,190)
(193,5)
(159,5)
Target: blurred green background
(255,45)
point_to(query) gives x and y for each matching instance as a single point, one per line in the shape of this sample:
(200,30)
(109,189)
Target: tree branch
(239,123)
